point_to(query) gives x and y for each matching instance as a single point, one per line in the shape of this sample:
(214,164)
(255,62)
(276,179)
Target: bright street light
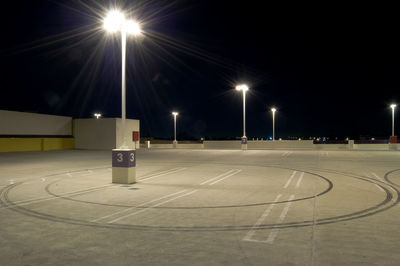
(97,115)
(175,114)
(273,110)
(393,106)
(113,22)
(243,88)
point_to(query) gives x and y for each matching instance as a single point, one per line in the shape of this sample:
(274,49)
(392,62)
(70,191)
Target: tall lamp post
(244,88)
(273,123)
(393,138)
(124,159)
(175,142)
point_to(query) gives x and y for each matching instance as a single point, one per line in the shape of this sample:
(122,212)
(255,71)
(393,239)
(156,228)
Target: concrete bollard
(244,143)
(123,166)
(351,144)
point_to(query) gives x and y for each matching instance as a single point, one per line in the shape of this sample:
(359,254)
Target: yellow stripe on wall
(35,144)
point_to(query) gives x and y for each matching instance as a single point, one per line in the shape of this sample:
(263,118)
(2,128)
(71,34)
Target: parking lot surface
(201,207)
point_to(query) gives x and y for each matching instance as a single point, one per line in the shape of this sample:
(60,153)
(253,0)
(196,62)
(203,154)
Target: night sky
(330,70)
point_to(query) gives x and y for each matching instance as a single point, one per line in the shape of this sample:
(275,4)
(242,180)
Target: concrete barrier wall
(331,146)
(280,144)
(190,146)
(20,123)
(271,145)
(58,144)
(161,146)
(223,144)
(35,144)
(381,147)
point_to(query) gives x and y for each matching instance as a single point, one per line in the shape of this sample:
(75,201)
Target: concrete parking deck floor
(201,207)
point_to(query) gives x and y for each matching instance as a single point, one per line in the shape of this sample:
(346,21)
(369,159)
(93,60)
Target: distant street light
(243,88)
(393,106)
(97,115)
(175,114)
(273,123)
(115,21)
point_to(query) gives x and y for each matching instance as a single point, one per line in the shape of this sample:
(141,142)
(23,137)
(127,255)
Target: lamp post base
(123,166)
(174,144)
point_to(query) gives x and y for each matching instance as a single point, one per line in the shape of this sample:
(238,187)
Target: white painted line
(290,179)
(69,174)
(250,234)
(144,203)
(299,181)
(381,189)
(275,231)
(158,204)
(89,172)
(167,172)
(218,176)
(219,180)
(254,240)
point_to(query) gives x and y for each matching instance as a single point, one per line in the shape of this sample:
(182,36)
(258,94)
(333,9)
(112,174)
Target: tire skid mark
(5,201)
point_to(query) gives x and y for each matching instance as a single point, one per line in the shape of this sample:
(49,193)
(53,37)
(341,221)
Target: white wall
(190,146)
(161,146)
(280,144)
(20,123)
(381,147)
(95,134)
(222,144)
(131,125)
(331,146)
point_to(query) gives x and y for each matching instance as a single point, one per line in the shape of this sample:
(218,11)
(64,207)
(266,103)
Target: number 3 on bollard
(120,157)
(124,158)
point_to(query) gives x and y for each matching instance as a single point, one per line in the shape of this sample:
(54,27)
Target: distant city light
(97,115)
